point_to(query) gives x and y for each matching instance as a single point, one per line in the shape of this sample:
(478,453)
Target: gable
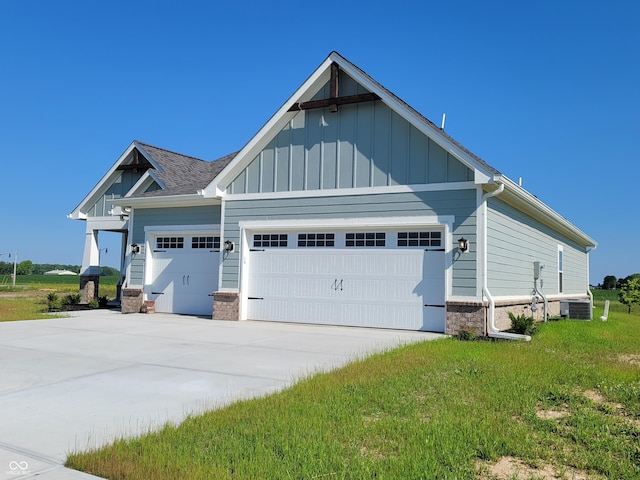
(361,145)
(118,188)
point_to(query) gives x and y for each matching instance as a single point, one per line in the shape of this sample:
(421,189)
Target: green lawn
(28,300)
(566,402)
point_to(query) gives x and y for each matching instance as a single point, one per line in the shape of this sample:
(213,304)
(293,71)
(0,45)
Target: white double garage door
(384,278)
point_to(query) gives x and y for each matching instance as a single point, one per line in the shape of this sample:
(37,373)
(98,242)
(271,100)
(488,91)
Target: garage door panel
(183,279)
(375,287)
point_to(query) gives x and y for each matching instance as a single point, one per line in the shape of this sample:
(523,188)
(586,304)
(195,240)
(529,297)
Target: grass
(28,300)
(569,399)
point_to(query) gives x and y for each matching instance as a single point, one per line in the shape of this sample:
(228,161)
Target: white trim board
(343,192)
(155,229)
(424,221)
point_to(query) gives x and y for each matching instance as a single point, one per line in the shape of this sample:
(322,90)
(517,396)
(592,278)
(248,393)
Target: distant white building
(60,272)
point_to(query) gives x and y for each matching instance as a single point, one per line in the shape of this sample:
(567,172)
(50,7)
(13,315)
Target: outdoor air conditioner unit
(578,309)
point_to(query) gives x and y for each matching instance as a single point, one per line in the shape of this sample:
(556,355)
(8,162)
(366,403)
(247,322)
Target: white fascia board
(78,213)
(528,203)
(192,200)
(98,190)
(342,192)
(276,123)
(145,182)
(341,223)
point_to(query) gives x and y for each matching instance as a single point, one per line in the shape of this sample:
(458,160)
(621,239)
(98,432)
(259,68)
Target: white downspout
(493,331)
(589,292)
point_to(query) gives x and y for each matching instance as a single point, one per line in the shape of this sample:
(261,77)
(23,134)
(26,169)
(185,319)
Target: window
(205,242)
(419,239)
(269,240)
(365,239)
(560,269)
(170,242)
(316,239)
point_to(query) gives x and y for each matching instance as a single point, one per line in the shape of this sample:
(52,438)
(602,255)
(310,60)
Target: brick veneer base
(89,287)
(475,316)
(131,300)
(466,316)
(226,306)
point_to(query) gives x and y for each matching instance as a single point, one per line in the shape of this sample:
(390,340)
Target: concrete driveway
(74,383)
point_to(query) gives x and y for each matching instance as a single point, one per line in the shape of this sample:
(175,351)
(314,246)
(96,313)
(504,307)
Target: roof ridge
(171,151)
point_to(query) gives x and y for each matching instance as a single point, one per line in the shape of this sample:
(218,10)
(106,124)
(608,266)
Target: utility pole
(15,267)
(15,264)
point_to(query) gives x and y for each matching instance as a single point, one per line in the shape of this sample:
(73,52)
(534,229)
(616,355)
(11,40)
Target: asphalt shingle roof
(181,174)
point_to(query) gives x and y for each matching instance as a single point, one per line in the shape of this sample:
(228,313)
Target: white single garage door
(383,279)
(184,273)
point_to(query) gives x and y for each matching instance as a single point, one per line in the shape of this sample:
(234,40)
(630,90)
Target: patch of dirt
(598,399)
(552,414)
(631,358)
(511,468)
(372,453)
(594,396)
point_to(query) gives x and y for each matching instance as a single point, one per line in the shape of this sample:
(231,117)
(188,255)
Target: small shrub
(522,324)
(73,299)
(467,335)
(93,303)
(103,301)
(53,302)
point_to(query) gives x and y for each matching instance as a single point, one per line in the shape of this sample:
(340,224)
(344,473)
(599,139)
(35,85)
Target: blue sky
(548,91)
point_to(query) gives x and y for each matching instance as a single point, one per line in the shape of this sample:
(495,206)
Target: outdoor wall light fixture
(135,248)
(228,246)
(463,244)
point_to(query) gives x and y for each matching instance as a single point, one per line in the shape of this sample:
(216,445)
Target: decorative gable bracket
(334,99)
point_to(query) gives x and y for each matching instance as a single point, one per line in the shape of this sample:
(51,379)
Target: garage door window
(365,239)
(170,242)
(270,240)
(419,239)
(316,239)
(205,242)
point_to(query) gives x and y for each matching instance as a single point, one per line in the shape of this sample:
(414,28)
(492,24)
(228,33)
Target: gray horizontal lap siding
(459,203)
(159,217)
(515,241)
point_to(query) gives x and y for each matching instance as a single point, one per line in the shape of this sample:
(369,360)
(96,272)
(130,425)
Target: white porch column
(91,256)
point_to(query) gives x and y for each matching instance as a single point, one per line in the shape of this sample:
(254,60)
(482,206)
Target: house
(348,207)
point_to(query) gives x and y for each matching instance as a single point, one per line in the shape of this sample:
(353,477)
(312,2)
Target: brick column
(89,287)
(131,300)
(226,306)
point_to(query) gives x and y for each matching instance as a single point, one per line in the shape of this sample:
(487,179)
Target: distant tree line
(27,267)
(610,282)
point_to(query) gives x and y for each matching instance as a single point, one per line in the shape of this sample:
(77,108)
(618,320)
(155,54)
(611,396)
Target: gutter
(493,332)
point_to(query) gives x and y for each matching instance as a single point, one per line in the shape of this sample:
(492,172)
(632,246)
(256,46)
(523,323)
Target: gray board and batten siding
(118,189)
(458,203)
(515,241)
(164,217)
(362,145)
